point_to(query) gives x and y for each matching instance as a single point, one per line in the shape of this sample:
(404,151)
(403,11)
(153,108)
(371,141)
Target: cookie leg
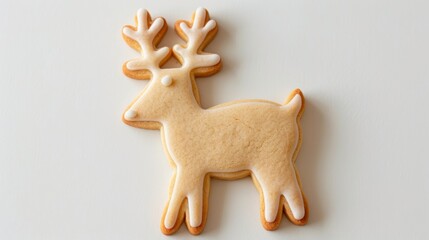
(270,201)
(195,201)
(294,204)
(174,205)
(197,207)
(187,186)
(271,205)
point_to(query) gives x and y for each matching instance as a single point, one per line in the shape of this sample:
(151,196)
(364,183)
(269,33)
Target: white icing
(141,19)
(295,102)
(167,80)
(271,205)
(196,35)
(130,114)
(184,27)
(210,25)
(298,211)
(156,26)
(144,36)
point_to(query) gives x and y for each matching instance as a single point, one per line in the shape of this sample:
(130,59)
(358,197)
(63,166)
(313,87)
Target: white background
(70,169)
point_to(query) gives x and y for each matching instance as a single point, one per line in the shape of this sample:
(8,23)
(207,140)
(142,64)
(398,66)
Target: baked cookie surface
(229,141)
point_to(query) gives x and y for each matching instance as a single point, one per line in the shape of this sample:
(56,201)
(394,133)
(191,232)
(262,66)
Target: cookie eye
(166,81)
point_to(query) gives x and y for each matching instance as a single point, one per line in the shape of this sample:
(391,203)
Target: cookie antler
(197,34)
(144,38)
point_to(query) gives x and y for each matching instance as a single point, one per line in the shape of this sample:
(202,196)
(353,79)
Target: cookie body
(230,141)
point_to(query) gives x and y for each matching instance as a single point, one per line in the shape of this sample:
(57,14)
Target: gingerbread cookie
(230,141)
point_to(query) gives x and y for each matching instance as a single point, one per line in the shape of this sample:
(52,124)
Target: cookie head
(156,101)
(153,106)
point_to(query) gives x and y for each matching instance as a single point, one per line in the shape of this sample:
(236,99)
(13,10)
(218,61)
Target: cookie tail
(295,102)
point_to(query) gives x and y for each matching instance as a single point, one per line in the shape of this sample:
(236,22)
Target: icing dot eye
(167,81)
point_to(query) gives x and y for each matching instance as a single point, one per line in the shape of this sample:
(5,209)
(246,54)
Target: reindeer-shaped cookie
(229,141)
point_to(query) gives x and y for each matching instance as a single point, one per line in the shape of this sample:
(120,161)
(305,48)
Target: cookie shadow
(314,127)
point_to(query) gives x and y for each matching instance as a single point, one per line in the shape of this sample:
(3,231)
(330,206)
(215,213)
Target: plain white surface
(70,169)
